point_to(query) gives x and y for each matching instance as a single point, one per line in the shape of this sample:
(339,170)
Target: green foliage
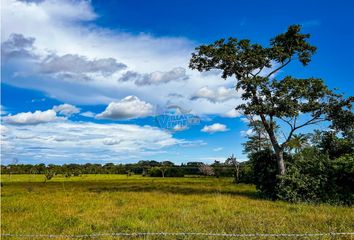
(342,179)
(331,144)
(155,172)
(305,178)
(170,172)
(314,177)
(265,172)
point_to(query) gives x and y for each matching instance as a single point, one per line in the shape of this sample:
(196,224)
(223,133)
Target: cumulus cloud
(216,127)
(66,109)
(32,118)
(220,94)
(155,78)
(128,108)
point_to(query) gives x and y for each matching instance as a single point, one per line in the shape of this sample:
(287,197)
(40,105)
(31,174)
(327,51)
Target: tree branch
(277,69)
(313,120)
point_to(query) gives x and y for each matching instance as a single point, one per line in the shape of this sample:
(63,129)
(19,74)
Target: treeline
(146,168)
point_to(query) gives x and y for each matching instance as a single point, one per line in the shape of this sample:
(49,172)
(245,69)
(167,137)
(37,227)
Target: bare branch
(312,121)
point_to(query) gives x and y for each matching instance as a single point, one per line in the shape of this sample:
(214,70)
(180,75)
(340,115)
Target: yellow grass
(117,203)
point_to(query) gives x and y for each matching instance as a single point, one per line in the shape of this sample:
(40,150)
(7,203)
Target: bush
(246,173)
(306,178)
(314,177)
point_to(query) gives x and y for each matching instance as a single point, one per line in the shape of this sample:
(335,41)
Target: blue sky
(81,81)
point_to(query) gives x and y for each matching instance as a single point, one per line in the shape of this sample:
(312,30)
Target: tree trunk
(279,151)
(237,174)
(280,161)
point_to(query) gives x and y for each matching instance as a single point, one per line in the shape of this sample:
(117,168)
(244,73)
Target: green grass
(117,203)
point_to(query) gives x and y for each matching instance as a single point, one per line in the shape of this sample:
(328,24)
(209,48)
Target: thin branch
(260,69)
(313,120)
(287,121)
(277,69)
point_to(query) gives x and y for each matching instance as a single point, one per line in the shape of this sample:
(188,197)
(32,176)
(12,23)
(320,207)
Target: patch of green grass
(117,203)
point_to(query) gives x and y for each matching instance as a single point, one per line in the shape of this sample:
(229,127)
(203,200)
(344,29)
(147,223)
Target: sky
(97,81)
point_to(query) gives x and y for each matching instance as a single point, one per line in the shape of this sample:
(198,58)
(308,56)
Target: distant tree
(165,165)
(206,170)
(49,174)
(255,67)
(231,161)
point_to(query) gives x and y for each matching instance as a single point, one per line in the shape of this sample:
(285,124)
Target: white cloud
(66,109)
(88,114)
(217,149)
(179,128)
(128,108)
(233,113)
(67,141)
(216,127)
(219,94)
(29,118)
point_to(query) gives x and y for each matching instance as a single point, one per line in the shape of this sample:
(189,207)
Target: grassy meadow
(118,203)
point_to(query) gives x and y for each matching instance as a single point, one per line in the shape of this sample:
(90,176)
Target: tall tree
(255,68)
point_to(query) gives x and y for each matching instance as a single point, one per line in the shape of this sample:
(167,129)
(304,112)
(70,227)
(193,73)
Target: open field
(117,203)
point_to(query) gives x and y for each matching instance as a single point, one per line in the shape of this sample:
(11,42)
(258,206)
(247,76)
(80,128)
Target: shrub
(314,177)
(306,178)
